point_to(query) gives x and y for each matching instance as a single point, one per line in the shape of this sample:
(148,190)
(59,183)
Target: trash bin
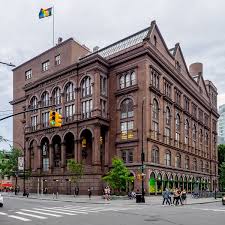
(138,198)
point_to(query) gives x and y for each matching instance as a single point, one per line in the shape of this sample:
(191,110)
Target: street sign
(20,163)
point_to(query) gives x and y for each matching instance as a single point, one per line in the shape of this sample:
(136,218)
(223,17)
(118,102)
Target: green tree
(222,176)
(9,161)
(118,176)
(221,153)
(76,170)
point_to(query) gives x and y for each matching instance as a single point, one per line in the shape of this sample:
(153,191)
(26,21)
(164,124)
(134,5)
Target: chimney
(60,40)
(95,49)
(196,69)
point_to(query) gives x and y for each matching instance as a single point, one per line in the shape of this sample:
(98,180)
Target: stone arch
(126,97)
(53,88)
(152,183)
(66,132)
(56,142)
(68,140)
(86,128)
(33,154)
(86,141)
(66,83)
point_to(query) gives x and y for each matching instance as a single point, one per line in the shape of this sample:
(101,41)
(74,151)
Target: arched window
(207,167)
(187,163)
(86,87)
(177,136)
(69,91)
(45,99)
(155,119)
(167,126)
(194,164)
(56,96)
(127,79)
(34,102)
(155,155)
(186,132)
(167,158)
(127,108)
(126,119)
(178,160)
(194,136)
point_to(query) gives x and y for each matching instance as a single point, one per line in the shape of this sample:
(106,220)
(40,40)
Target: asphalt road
(41,212)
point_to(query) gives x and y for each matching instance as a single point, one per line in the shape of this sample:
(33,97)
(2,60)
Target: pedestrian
(165,195)
(89,192)
(27,193)
(184,196)
(77,190)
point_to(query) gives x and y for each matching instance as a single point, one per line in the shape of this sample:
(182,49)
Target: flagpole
(53,12)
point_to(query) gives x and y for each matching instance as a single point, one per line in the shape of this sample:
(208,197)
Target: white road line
(67,210)
(214,210)
(53,211)
(19,218)
(2,213)
(32,215)
(44,213)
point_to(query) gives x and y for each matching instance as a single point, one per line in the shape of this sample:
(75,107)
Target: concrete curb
(94,202)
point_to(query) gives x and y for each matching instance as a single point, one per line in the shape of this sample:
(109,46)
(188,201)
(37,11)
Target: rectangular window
(127,156)
(28,74)
(154,78)
(127,130)
(57,60)
(186,104)
(45,66)
(167,135)
(45,164)
(124,156)
(130,156)
(194,110)
(103,85)
(167,89)
(70,111)
(103,108)
(86,108)
(177,96)
(34,122)
(45,119)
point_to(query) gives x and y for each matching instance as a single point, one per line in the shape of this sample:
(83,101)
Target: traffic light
(58,120)
(52,118)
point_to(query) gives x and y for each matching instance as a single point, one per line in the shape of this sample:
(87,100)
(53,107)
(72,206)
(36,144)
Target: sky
(198,25)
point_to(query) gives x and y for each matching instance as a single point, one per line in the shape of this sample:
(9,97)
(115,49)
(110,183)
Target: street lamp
(142,154)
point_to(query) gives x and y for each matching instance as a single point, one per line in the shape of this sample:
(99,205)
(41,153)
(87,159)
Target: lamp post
(142,153)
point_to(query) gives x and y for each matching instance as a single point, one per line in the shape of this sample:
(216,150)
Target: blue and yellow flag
(45,13)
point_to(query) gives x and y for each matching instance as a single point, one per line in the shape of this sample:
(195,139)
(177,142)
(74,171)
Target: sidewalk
(149,200)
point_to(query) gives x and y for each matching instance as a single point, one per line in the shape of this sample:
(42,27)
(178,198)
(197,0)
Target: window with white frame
(69,91)
(177,135)
(45,100)
(155,119)
(103,85)
(45,65)
(86,109)
(167,158)
(127,130)
(194,136)
(103,107)
(34,122)
(187,163)
(86,87)
(69,111)
(127,79)
(186,132)
(127,156)
(28,74)
(167,133)
(56,96)
(57,60)
(155,78)
(155,155)
(178,161)
(45,119)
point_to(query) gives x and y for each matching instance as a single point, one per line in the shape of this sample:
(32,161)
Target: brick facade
(100,96)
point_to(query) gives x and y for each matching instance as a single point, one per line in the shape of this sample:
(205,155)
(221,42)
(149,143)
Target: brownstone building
(100,96)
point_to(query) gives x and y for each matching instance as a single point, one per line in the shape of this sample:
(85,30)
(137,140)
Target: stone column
(39,158)
(51,159)
(63,157)
(96,146)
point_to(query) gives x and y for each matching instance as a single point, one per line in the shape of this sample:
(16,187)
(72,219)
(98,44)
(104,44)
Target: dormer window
(45,66)
(57,60)
(28,74)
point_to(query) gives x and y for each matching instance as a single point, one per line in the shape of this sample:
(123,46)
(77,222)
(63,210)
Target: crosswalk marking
(19,218)
(214,210)
(2,213)
(67,210)
(53,211)
(32,215)
(44,213)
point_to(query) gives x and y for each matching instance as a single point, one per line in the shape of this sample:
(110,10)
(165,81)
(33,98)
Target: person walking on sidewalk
(89,192)
(184,196)
(165,195)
